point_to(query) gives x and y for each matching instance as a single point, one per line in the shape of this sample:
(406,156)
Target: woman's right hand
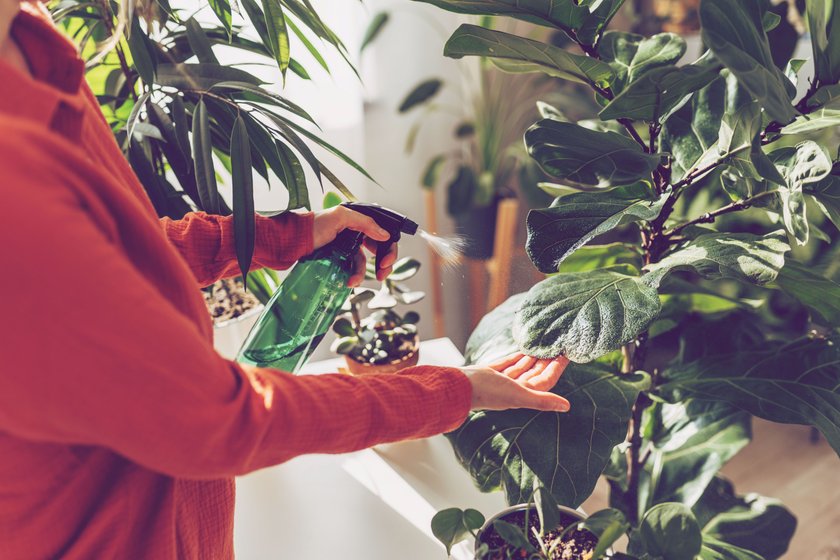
(517,381)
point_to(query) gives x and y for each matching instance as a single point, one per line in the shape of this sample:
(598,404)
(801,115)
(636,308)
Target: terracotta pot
(577,514)
(359,368)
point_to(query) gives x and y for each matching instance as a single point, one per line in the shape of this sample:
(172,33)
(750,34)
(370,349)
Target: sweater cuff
(455,392)
(283,239)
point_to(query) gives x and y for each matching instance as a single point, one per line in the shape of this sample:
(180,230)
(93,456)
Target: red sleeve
(98,357)
(206,242)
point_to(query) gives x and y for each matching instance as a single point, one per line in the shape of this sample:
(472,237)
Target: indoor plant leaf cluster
(689,281)
(177,111)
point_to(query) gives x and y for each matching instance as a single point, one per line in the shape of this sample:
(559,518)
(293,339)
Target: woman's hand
(517,381)
(329,223)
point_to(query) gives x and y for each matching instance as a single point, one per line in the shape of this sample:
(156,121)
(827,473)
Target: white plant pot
(228,336)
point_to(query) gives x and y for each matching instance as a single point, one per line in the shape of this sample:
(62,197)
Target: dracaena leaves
(243,195)
(573,220)
(588,157)
(518,54)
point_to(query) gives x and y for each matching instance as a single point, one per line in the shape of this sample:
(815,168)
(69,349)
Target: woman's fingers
(506,362)
(548,377)
(521,366)
(350,219)
(541,400)
(494,391)
(533,371)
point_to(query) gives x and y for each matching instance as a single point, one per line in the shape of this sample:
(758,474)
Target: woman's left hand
(537,374)
(329,223)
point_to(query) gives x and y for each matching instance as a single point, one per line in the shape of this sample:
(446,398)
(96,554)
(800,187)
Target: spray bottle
(301,311)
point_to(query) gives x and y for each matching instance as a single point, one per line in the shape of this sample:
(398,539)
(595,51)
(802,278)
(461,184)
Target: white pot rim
(248,314)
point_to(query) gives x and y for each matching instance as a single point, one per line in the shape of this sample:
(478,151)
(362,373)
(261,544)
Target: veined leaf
(695,440)
(588,157)
(200,76)
(277,33)
(584,315)
(592,257)
(565,14)
(571,221)
(669,531)
(714,549)
(741,256)
(819,294)
(420,94)
(205,174)
(244,228)
(794,383)
(734,32)
(517,54)
(826,193)
(632,55)
(565,453)
(824,23)
(453,525)
(601,12)
(826,96)
(660,91)
(824,118)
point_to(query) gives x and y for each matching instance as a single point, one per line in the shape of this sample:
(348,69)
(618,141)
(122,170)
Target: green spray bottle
(301,311)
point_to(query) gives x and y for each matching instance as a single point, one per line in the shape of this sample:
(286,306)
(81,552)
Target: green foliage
(638,283)
(178,113)
(452,525)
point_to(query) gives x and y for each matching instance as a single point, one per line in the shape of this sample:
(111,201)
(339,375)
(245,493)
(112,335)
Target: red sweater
(120,428)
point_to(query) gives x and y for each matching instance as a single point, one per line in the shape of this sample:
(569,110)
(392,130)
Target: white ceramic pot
(228,336)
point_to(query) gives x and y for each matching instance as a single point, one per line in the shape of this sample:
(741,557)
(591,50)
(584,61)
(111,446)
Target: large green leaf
(205,174)
(819,294)
(693,441)
(518,54)
(796,383)
(752,523)
(222,10)
(632,55)
(142,53)
(572,220)
(690,133)
(200,76)
(826,96)
(824,23)
(714,549)
(584,315)
(243,195)
(656,94)
(818,120)
(591,257)
(453,525)
(807,163)
(564,14)
(741,256)
(734,32)
(574,153)
(601,12)
(199,42)
(278,34)
(667,531)
(565,453)
(826,193)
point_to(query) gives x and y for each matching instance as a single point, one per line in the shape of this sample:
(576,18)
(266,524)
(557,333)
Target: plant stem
(628,124)
(710,217)
(634,463)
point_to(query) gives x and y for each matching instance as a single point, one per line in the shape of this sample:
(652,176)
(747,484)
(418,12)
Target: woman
(120,428)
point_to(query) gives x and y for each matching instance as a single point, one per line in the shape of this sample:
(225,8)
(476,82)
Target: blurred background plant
(188,122)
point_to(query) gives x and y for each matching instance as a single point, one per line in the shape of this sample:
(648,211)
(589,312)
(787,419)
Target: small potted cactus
(383,341)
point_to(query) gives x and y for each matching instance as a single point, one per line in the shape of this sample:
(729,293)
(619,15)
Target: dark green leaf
(693,441)
(205,174)
(453,525)
(518,54)
(591,257)
(420,94)
(313,50)
(571,221)
(597,20)
(200,76)
(344,327)
(584,315)
(608,525)
(826,193)
(404,269)
(513,535)
(548,510)
(632,55)
(565,14)
(818,120)
(717,550)
(461,191)
(377,24)
(199,42)
(793,383)
(293,178)
(411,318)
(741,256)
(243,195)
(824,23)
(826,96)
(734,32)
(278,34)
(142,53)
(669,531)
(656,94)
(819,294)
(222,10)
(588,157)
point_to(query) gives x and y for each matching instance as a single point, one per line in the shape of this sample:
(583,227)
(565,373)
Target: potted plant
(179,114)
(718,185)
(383,341)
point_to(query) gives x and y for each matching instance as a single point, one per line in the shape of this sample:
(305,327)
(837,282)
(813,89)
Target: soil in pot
(408,356)
(228,299)
(575,545)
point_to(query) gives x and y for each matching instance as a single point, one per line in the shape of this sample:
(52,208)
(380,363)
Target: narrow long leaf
(277,33)
(244,227)
(205,175)
(199,42)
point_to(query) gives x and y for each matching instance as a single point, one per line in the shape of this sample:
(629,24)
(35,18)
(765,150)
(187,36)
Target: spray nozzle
(393,222)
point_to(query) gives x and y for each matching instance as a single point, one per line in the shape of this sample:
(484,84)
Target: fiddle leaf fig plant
(684,279)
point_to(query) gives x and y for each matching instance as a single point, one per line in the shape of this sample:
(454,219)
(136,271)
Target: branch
(710,217)
(628,124)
